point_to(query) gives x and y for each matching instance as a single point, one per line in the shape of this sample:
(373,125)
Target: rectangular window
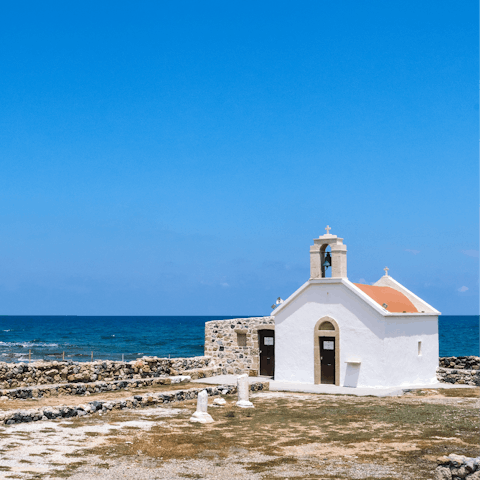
(242,339)
(268,340)
(419,349)
(328,345)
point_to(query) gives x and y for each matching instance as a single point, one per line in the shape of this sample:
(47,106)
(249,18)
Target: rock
(473,476)
(442,473)
(460,472)
(219,402)
(470,464)
(457,460)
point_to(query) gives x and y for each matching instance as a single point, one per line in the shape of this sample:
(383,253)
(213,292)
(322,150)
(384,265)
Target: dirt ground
(286,435)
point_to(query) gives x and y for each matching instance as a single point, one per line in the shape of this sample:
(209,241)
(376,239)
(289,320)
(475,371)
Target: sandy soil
(286,435)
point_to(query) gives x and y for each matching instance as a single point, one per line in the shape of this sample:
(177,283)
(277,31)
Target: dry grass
(448,392)
(405,432)
(286,435)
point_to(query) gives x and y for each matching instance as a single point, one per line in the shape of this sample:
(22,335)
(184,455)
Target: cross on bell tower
(318,255)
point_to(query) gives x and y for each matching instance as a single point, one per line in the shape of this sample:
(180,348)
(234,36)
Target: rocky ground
(286,435)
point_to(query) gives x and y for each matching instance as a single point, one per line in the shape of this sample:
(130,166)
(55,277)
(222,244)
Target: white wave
(27,344)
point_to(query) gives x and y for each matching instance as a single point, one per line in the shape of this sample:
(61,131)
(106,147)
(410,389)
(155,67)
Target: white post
(201,415)
(243,389)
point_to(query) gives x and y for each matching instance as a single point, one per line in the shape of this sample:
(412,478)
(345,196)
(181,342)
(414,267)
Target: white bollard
(243,389)
(201,414)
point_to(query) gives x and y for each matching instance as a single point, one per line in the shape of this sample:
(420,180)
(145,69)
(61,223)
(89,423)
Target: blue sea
(114,338)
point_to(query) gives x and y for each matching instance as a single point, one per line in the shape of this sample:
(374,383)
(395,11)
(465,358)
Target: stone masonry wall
(457,467)
(461,377)
(222,343)
(14,375)
(459,370)
(467,363)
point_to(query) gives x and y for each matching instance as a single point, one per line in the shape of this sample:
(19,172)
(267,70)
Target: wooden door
(327,360)
(266,344)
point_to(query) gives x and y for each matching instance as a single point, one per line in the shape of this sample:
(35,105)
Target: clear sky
(178,158)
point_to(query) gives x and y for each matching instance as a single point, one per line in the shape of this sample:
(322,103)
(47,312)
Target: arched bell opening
(326,261)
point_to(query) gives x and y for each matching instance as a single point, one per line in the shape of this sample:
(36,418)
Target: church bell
(328,260)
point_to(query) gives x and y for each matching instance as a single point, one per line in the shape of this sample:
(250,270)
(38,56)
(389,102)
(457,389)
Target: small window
(326,326)
(242,339)
(419,349)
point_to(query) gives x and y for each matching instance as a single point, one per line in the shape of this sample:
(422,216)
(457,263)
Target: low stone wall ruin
(460,377)
(459,370)
(233,344)
(457,467)
(41,391)
(146,400)
(14,375)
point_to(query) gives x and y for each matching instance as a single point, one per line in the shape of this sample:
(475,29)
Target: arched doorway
(326,339)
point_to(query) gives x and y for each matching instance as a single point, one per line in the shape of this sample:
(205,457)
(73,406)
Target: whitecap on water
(27,344)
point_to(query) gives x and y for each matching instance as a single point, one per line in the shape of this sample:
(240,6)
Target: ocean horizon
(131,337)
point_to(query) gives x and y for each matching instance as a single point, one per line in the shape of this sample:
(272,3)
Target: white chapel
(333,331)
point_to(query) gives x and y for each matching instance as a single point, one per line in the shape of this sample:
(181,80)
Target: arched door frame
(316,349)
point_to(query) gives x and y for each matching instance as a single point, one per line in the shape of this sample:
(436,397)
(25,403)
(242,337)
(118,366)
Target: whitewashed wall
(365,334)
(403,364)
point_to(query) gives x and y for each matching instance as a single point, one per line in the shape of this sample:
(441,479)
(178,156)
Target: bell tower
(320,260)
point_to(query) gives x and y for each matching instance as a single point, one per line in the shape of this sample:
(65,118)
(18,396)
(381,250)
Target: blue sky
(178,158)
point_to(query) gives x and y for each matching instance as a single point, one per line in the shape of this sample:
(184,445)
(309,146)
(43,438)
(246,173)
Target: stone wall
(145,400)
(460,377)
(223,339)
(40,391)
(456,467)
(14,375)
(467,363)
(459,370)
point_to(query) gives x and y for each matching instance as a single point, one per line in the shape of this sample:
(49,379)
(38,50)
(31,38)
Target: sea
(79,338)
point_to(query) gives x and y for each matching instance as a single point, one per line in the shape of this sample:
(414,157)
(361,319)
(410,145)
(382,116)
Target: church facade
(333,331)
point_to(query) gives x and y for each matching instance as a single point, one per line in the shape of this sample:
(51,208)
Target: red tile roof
(396,301)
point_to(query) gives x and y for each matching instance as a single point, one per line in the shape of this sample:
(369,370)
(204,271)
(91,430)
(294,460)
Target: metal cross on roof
(386,271)
(328,229)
